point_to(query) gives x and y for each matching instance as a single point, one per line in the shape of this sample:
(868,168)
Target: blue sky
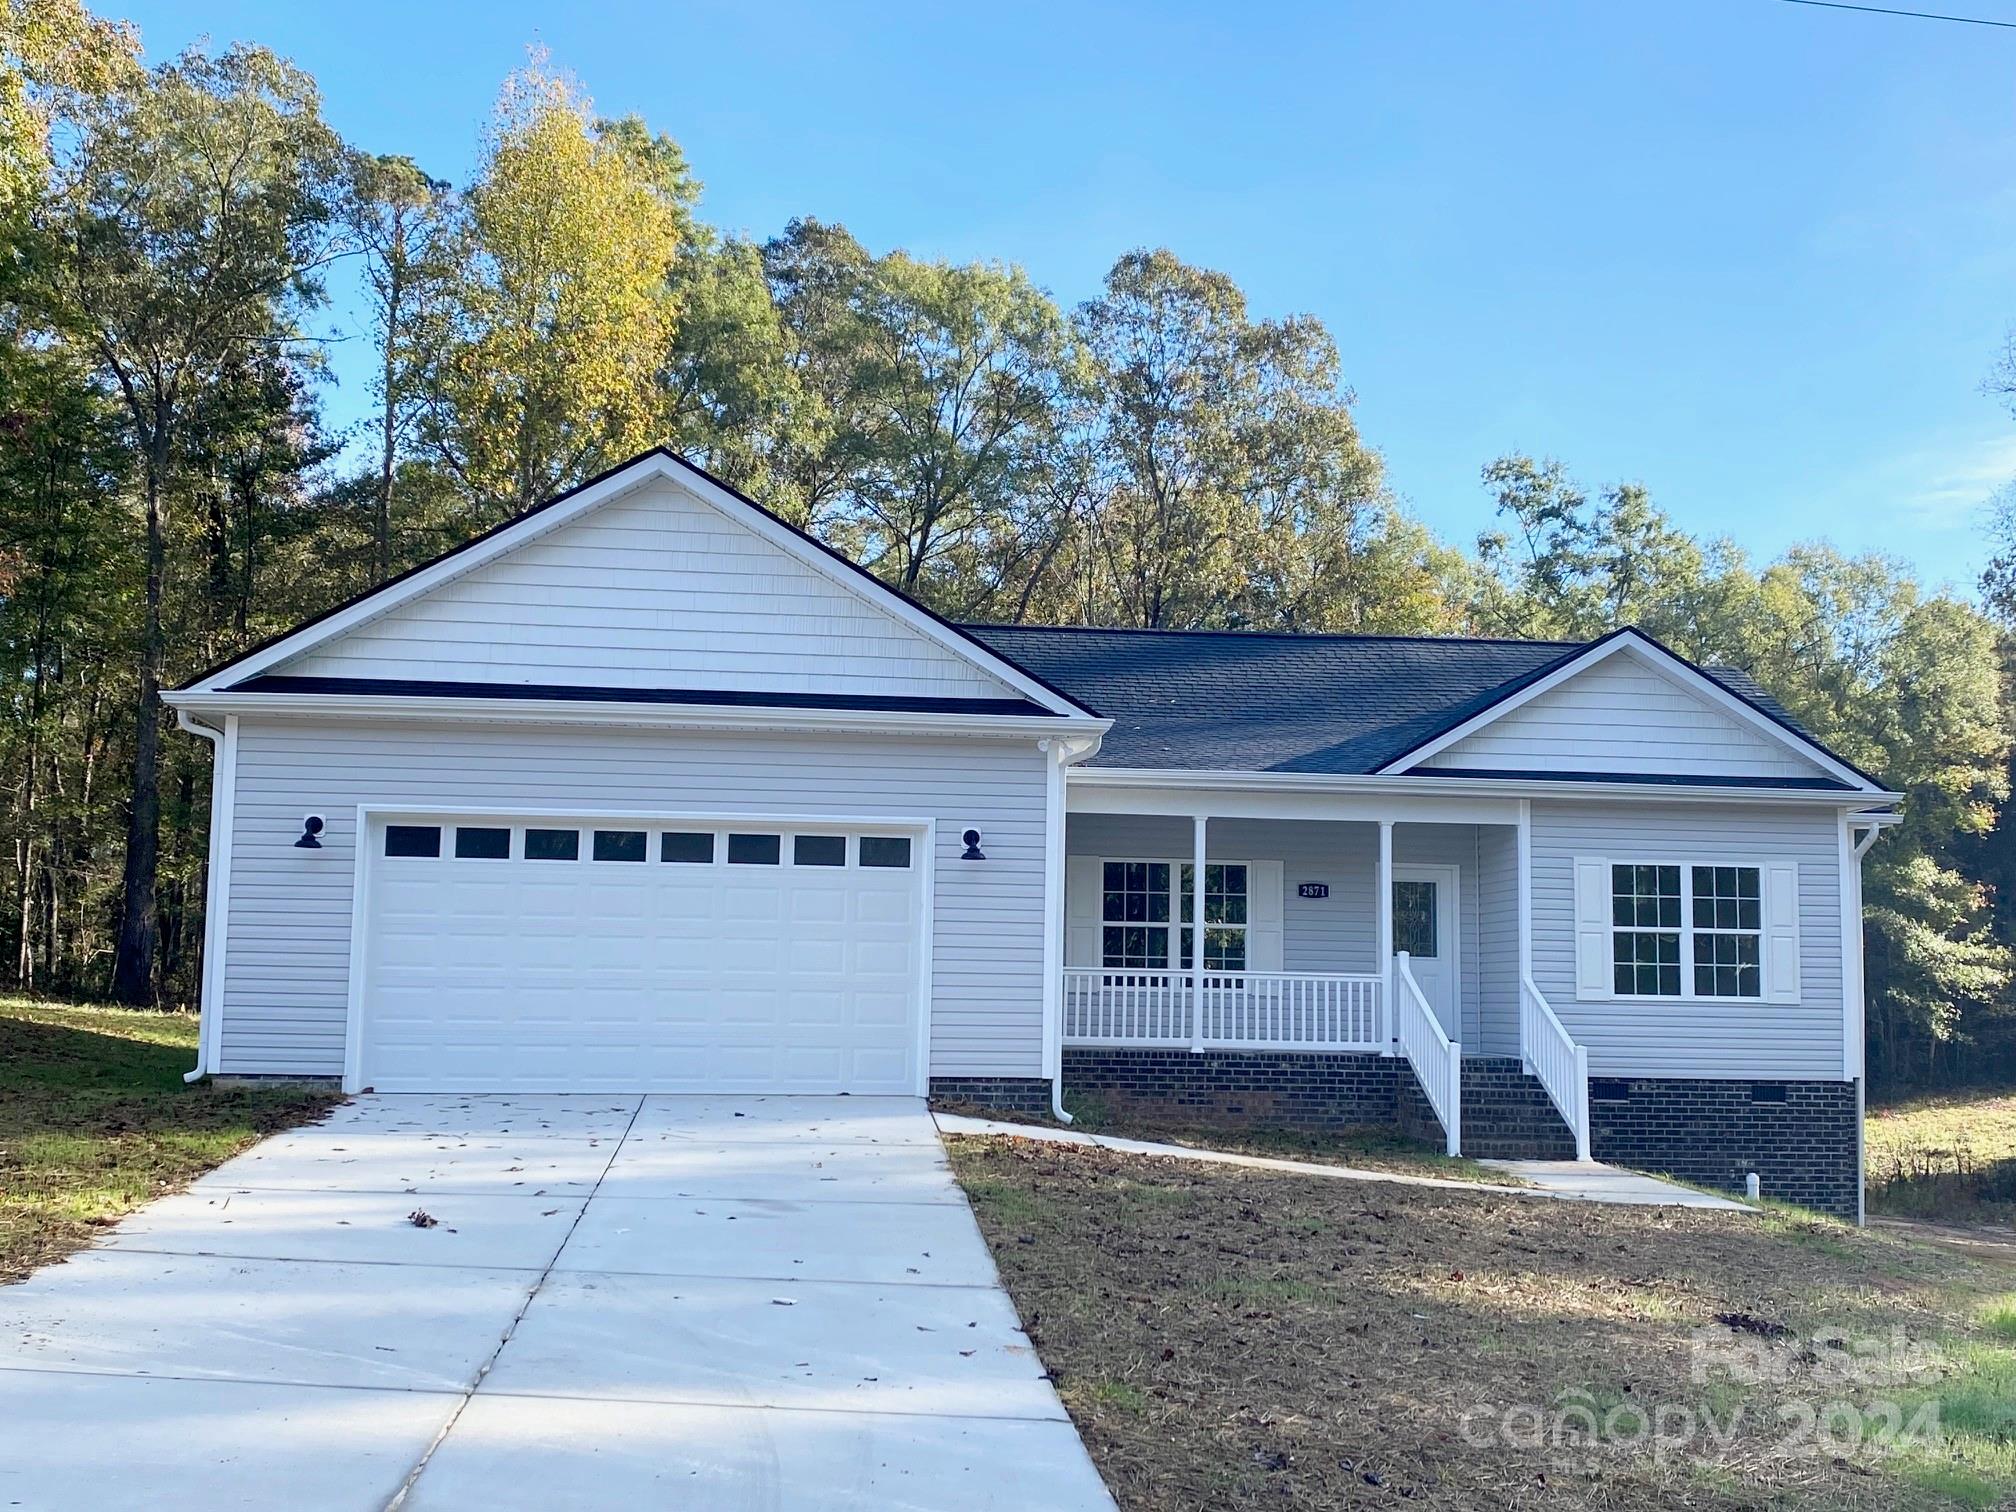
(1757,256)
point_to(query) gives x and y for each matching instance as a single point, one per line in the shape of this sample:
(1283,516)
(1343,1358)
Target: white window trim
(1178,895)
(1687,931)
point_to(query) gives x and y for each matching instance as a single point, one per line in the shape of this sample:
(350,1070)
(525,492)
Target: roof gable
(654,577)
(1627,706)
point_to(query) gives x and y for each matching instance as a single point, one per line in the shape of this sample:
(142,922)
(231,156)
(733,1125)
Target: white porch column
(1053,916)
(1524,883)
(1384,913)
(1198,824)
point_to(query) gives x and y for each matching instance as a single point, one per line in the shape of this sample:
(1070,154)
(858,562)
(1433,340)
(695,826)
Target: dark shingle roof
(1249,701)
(1230,700)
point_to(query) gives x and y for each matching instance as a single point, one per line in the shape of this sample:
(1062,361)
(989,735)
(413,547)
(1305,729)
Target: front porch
(1357,965)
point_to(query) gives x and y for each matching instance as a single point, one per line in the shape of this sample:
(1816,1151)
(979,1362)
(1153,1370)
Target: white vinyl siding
(655,589)
(1681,1037)
(1496,1031)
(286,988)
(1622,716)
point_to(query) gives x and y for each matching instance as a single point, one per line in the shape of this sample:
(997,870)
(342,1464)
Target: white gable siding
(654,589)
(286,972)
(1622,716)
(1681,1038)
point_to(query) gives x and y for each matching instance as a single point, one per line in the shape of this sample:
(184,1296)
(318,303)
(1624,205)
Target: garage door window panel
(619,845)
(818,850)
(552,845)
(475,842)
(413,840)
(755,850)
(687,847)
(890,851)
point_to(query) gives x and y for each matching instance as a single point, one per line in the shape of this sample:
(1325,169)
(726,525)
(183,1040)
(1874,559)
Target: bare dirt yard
(1231,1338)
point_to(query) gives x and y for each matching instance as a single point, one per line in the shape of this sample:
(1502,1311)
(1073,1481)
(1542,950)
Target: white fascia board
(1482,787)
(651,467)
(661,716)
(1663,662)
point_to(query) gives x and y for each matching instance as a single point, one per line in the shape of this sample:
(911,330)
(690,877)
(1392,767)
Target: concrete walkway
(1565,1180)
(581,1302)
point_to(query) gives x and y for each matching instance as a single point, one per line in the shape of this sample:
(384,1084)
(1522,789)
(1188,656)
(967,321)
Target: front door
(1426,926)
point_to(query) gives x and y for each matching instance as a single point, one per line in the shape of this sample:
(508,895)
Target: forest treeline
(172,489)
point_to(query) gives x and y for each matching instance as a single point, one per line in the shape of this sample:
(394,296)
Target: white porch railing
(1437,1060)
(1556,1061)
(1245,1010)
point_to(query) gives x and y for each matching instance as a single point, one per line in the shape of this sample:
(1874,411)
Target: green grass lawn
(95,1120)
(1949,1158)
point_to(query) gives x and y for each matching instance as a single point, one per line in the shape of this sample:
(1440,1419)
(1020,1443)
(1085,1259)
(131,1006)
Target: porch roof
(1242,700)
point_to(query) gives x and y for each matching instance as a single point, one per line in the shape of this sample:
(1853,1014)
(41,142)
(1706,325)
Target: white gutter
(651,715)
(1483,787)
(223,787)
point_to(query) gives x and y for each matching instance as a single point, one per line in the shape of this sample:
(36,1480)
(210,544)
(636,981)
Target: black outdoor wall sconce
(311,829)
(971,840)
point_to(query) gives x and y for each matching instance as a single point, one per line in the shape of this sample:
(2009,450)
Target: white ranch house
(648,791)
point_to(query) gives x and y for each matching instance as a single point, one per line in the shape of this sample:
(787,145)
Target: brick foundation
(1803,1147)
(1011,1094)
(1507,1114)
(1287,1091)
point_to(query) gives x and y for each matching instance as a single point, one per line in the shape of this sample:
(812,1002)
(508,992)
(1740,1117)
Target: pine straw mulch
(1229,1338)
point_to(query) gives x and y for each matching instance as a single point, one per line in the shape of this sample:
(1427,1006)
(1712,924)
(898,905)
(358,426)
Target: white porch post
(1053,919)
(1198,823)
(1384,905)
(1525,892)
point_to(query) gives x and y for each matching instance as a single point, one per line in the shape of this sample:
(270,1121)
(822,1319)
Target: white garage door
(510,954)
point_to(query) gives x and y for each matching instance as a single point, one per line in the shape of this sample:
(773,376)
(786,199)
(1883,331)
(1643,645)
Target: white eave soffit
(585,500)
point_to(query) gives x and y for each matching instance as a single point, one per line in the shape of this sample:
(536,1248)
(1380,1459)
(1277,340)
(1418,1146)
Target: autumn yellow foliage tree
(547,366)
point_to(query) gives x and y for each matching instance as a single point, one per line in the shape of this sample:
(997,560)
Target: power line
(1884,10)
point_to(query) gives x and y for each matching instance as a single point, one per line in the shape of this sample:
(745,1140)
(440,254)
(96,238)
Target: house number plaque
(1313,890)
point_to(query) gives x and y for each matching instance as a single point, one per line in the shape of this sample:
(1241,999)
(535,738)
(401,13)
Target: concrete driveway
(618,1302)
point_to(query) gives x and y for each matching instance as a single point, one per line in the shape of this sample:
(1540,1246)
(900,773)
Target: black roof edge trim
(394,687)
(1647,779)
(607,473)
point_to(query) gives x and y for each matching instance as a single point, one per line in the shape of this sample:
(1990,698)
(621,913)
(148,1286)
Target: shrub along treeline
(170,493)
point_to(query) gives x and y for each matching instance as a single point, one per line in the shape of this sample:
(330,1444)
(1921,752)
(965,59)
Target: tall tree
(564,305)
(1240,492)
(399,217)
(189,224)
(54,55)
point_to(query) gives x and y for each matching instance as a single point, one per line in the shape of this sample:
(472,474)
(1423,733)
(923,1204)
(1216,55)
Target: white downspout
(1852,885)
(223,780)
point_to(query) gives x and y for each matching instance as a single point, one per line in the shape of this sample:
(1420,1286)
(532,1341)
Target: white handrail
(1556,1061)
(1285,1010)
(1437,1059)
